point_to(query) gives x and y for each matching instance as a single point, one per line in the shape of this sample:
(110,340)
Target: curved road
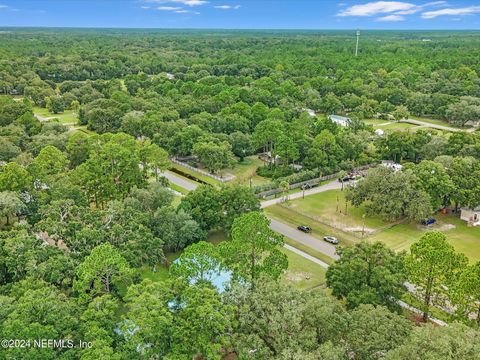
(180,181)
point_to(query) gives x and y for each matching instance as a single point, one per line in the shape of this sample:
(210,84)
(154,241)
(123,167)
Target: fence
(222,179)
(312,182)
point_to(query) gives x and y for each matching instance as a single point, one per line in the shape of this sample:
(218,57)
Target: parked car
(348,177)
(331,239)
(304,228)
(429,221)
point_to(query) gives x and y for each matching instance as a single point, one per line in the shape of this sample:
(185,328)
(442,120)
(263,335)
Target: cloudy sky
(243,14)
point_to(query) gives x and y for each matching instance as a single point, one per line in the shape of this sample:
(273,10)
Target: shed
(340,120)
(472,216)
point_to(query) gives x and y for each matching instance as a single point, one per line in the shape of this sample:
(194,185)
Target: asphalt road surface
(177,180)
(302,238)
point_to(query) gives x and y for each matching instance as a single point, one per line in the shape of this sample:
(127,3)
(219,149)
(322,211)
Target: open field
(389,125)
(67,117)
(246,170)
(302,273)
(463,238)
(319,212)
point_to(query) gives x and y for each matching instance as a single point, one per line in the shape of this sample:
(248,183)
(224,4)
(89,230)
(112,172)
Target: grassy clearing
(389,125)
(67,117)
(323,207)
(302,273)
(246,170)
(463,238)
(319,212)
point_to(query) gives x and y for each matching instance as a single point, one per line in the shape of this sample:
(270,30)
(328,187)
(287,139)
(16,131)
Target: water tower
(358,39)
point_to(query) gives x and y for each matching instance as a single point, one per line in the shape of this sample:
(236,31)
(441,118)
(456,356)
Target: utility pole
(358,39)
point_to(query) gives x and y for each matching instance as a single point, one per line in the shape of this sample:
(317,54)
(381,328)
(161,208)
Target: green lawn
(319,212)
(67,117)
(398,126)
(387,125)
(246,170)
(323,207)
(463,238)
(302,273)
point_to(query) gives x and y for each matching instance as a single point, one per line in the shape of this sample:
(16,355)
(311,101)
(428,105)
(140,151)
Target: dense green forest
(89,224)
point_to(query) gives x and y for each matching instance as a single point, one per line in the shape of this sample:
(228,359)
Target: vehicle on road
(331,239)
(429,221)
(304,228)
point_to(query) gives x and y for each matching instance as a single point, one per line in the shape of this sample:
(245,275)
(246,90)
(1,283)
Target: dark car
(331,239)
(348,177)
(428,221)
(305,229)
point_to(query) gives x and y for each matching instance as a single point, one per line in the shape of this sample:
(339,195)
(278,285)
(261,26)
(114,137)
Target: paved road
(435,126)
(302,238)
(177,180)
(332,185)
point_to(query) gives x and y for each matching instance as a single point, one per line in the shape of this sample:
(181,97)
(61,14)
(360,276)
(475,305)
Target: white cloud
(3,6)
(227,7)
(168,8)
(183,11)
(388,8)
(184,2)
(470,10)
(379,7)
(391,18)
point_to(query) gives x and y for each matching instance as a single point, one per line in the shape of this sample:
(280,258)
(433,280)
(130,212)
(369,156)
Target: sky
(243,14)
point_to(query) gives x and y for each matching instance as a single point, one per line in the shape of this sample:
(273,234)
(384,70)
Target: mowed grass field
(246,170)
(389,125)
(319,212)
(67,117)
(302,273)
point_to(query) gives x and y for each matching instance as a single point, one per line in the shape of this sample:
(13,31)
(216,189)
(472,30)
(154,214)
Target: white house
(472,216)
(340,120)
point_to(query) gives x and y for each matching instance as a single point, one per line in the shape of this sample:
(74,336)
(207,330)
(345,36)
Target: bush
(274,172)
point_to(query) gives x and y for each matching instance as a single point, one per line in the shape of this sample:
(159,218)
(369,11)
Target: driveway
(177,180)
(332,185)
(435,126)
(303,238)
